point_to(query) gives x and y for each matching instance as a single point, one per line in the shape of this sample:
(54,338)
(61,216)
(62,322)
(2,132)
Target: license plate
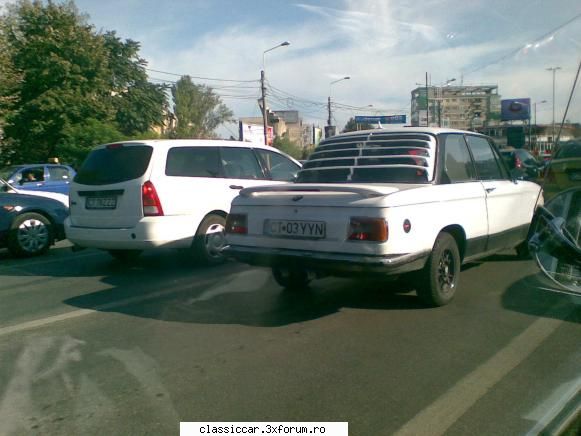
(101,203)
(295,229)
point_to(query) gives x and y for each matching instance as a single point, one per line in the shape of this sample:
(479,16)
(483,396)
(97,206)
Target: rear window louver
(374,157)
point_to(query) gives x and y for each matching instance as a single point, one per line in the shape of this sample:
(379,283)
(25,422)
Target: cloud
(386,47)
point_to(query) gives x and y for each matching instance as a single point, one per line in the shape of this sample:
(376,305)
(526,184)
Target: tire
(125,256)
(439,279)
(292,279)
(209,240)
(31,234)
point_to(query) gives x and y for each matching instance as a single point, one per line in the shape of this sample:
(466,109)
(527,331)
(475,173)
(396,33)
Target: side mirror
(556,240)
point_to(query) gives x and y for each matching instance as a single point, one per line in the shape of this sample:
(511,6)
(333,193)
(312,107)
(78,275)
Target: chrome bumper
(333,263)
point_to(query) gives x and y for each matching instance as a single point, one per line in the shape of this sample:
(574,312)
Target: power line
(202,78)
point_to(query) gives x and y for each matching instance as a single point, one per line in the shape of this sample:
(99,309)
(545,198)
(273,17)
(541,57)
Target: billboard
(254,133)
(382,119)
(515,109)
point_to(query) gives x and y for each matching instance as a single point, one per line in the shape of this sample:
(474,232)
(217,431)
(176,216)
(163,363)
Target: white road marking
(113,305)
(448,408)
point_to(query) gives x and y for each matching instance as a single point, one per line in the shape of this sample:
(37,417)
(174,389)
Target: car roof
(167,143)
(399,129)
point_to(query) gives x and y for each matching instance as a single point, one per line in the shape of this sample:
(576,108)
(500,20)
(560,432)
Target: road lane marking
(439,416)
(113,305)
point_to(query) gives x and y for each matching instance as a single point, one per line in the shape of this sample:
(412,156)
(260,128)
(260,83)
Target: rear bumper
(151,232)
(332,263)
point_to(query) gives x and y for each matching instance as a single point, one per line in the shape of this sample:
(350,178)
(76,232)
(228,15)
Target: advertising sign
(382,119)
(515,109)
(254,133)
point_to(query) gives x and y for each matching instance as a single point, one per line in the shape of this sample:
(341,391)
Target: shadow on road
(530,295)
(251,298)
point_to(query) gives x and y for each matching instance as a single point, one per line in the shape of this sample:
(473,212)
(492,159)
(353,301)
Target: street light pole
(329,119)
(554,70)
(263,90)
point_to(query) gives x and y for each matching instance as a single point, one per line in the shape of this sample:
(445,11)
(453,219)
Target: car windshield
(6,172)
(569,151)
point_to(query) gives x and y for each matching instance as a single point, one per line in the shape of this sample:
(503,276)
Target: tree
(352,126)
(198,111)
(139,104)
(72,87)
(286,145)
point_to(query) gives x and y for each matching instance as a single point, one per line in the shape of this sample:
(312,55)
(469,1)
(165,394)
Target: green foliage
(69,87)
(81,137)
(197,109)
(352,126)
(139,104)
(289,147)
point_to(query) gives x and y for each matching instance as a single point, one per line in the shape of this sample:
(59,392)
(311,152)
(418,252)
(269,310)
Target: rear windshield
(569,150)
(372,158)
(117,164)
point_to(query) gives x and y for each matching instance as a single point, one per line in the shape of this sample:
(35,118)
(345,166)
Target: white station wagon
(412,200)
(136,195)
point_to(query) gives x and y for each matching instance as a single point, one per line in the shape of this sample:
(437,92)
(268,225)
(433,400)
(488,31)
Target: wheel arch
(218,212)
(459,235)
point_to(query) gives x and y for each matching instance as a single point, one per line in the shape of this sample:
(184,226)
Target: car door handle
(40,184)
(236,187)
(489,190)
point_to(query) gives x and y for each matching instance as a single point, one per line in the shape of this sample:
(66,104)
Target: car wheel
(209,240)
(31,234)
(125,255)
(439,278)
(292,279)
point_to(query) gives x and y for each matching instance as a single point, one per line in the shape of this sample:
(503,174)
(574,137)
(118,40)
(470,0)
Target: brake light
(150,200)
(237,223)
(368,229)
(517,162)
(112,146)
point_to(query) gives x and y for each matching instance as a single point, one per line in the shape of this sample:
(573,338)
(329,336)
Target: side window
(59,174)
(32,175)
(484,158)
(240,163)
(458,165)
(193,162)
(278,166)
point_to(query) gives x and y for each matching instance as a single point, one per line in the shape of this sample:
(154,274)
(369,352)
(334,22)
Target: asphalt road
(91,346)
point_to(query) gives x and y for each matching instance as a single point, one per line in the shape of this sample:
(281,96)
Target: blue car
(30,223)
(40,177)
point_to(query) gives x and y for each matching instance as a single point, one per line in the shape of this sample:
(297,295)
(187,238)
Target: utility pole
(264,112)
(554,70)
(427,102)
(329,110)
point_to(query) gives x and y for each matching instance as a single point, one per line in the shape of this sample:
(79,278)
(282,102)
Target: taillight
(237,223)
(150,200)
(517,162)
(368,229)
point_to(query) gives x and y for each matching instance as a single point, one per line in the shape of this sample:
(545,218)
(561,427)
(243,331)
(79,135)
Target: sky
(384,46)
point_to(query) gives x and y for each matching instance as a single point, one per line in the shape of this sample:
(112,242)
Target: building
(458,107)
(285,123)
(536,138)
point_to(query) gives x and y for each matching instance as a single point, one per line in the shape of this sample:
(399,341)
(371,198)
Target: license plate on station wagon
(295,229)
(101,203)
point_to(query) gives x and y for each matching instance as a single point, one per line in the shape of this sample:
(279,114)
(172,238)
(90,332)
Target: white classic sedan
(419,201)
